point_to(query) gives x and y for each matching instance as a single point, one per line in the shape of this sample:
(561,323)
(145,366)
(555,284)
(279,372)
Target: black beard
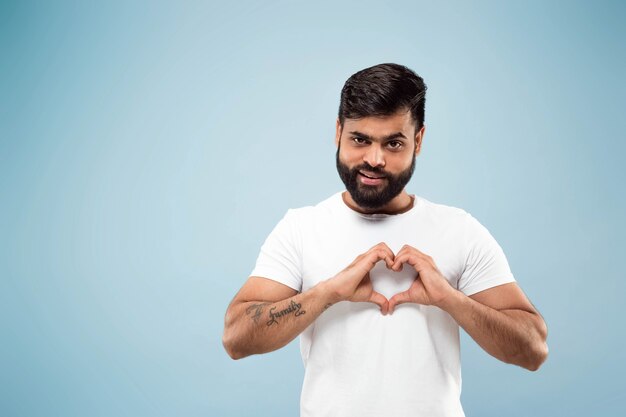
(372,197)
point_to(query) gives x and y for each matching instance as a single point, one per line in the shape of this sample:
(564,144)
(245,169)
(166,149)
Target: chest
(329,246)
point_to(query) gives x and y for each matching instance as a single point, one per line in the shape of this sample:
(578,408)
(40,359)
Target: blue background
(147,149)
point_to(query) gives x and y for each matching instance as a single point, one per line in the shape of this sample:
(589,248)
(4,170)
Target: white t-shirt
(357,361)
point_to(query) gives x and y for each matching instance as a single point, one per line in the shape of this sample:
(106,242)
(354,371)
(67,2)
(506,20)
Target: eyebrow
(397,135)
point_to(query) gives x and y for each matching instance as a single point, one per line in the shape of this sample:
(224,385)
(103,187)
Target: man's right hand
(354,283)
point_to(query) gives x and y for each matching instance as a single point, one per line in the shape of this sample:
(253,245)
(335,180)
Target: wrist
(451,300)
(329,292)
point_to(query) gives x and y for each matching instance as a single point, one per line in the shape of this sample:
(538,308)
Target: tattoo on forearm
(293,307)
(258,310)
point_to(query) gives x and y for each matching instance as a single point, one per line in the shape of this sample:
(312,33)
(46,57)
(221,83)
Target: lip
(371,175)
(370,181)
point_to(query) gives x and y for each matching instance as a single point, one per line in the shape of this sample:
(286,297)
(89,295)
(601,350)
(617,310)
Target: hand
(430,286)
(354,283)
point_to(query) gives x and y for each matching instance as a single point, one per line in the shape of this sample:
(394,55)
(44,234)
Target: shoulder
(472,231)
(324,208)
(443,212)
(456,219)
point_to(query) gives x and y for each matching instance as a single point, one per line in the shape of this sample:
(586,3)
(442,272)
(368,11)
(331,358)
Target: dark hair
(383,90)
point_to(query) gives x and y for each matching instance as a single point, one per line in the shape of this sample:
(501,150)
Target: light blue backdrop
(147,149)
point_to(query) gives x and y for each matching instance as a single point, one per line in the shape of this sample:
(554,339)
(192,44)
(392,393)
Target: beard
(373,196)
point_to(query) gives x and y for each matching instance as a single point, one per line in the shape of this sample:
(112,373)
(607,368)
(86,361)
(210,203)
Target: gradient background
(147,149)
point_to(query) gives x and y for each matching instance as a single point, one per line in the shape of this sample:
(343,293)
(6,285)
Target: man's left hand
(430,286)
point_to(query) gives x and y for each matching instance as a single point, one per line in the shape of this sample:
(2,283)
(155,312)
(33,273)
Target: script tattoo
(258,309)
(293,307)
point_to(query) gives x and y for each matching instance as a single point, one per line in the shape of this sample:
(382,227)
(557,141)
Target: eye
(395,144)
(359,141)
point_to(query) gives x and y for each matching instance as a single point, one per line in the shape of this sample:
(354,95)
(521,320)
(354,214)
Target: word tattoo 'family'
(294,307)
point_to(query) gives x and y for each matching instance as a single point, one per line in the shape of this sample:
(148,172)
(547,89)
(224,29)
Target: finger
(380,300)
(400,298)
(378,253)
(397,263)
(388,254)
(389,259)
(403,257)
(418,253)
(366,261)
(405,248)
(399,258)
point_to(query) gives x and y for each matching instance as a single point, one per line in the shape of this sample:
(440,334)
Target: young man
(377,281)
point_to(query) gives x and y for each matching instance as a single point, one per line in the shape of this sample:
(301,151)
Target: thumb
(380,300)
(400,298)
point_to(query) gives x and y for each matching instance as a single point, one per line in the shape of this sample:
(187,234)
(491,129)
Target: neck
(401,203)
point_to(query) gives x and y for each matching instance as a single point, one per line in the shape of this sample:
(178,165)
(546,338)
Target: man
(377,281)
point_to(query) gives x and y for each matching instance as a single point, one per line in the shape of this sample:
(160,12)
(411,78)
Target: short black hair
(383,90)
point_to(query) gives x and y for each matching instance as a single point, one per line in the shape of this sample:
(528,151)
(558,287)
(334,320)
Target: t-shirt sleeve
(280,256)
(486,265)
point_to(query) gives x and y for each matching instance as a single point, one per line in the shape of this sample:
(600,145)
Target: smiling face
(376,159)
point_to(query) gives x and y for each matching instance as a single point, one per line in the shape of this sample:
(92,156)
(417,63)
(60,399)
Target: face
(376,157)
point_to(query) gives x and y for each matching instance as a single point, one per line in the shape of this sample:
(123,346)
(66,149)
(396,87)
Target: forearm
(513,336)
(260,327)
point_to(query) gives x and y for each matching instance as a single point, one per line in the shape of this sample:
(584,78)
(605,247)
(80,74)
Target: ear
(337,132)
(418,139)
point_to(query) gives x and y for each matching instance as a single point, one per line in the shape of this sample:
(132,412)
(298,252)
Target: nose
(374,156)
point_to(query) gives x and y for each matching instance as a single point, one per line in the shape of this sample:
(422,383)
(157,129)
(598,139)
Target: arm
(501,319)
(503,322)
(266,315)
